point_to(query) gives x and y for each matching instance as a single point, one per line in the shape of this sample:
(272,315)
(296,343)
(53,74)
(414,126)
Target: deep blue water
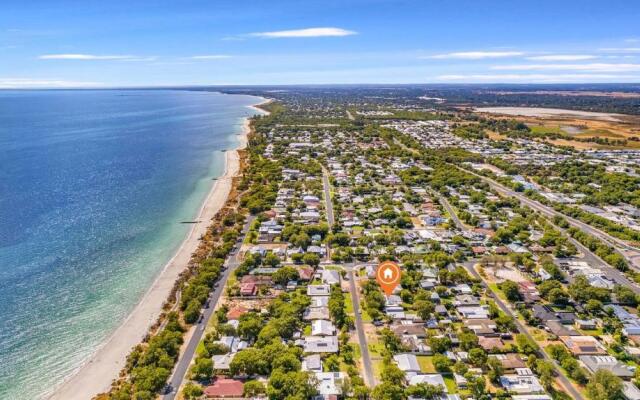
(93,185)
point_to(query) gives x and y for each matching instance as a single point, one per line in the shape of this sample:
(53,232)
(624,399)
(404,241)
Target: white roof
(431,379)
(407,362)
(321,327)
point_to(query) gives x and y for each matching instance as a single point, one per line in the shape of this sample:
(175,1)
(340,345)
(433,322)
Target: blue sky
(155,43)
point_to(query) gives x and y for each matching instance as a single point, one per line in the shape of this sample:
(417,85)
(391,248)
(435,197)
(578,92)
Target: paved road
(185,358)
(588,256)
(575,394)
(350,116)
(362,338)
(630,253)
(445,203)
(327,196)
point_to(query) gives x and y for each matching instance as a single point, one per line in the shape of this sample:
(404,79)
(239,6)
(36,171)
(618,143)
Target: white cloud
(477,55)
(305,33)
(563,57)
(621,49)
(18,83)
(93,57)
(597,67)
(527,78)
(211,57)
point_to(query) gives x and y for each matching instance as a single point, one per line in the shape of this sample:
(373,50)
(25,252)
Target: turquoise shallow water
(93,185)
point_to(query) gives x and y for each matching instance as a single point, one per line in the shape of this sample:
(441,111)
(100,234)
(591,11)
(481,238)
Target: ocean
(93,187)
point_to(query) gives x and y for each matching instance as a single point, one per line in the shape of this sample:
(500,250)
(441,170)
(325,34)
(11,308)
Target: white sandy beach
(97,373)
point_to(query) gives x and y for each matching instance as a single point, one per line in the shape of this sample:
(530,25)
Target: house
(409,329)
(331,277)
(236,312)
(559,329)
(321,327)
(586,324)
(305,273)
(523,382)
(430,379)
(407,362)
(545,313)
(490,343)
(316,313)
(319,301)
(221,362)
(223,388)
(630,391)
(329,384)
(320,344)
(233,343)
(248,289)
(609,363)
(312,363)
(318,290)
(510,361)
(415,345)
(583,345)
(460,380)
(482,327)
(473,312)
(529,292)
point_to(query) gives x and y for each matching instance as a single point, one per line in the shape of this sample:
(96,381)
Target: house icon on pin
(388,273)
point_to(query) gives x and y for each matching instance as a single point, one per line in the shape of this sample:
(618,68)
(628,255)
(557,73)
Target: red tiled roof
(236,312)
(223,387)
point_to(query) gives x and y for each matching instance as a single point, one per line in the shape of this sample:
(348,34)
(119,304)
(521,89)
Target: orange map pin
(388,276)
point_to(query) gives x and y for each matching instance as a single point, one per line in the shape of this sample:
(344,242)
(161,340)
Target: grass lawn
(200,348)
(593,332)
(365,315)
(494,287)
(426,364)
(376,349)
(348,304)
(451,384)
(377,368)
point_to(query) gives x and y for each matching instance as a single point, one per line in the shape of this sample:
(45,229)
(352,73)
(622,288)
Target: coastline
(97,373)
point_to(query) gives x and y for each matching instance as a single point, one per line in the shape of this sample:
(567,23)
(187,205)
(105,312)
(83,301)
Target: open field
(571,124)
(550,112)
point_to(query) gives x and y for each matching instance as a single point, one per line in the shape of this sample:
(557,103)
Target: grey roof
(318,344)
(610,363)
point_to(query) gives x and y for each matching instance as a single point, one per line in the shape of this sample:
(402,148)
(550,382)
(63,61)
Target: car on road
(167,389)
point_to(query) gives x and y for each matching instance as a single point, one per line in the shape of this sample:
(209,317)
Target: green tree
(525,345)
(603,385)
(253,388)
(202,369)
(510,290)
(285,274)
(192,391)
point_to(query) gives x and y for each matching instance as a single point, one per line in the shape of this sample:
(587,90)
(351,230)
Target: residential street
(186,357)
(566,383)
(327,196)
(630,253)
(362,338)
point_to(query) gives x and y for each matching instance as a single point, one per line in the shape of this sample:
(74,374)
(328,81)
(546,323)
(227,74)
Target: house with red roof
(224,388)
(248,289)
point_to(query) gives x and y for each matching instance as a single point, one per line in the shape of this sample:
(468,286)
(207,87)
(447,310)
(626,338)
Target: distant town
(517,237)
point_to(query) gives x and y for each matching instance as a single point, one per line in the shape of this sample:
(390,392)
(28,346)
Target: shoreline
(99,370)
